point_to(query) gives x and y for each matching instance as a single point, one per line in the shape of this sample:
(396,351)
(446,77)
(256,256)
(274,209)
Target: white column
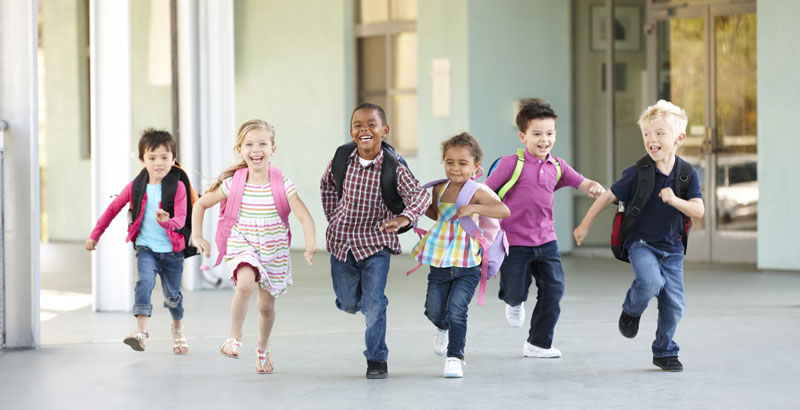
(189,115)
(217,101)
(20,183)
(111,123)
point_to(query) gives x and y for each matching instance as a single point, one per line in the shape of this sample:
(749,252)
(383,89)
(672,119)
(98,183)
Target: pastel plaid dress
(259,238)
(447,244)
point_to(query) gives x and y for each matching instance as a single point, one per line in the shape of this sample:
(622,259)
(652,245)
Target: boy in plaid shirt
(362,232)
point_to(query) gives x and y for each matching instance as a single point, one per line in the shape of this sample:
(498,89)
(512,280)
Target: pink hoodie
(173,224)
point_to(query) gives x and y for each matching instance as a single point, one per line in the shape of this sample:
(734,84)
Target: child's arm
(108,215)
(591,188)
(198,212)
(484,204)
(606,198)
(433,209)
(416,200)
(693,208)
(299,208)
(328,192)
(178,211)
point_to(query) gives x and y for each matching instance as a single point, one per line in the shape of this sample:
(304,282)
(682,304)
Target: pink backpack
(492,239)
(229,208)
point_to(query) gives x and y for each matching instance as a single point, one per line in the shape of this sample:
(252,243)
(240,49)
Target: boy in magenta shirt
(533,253)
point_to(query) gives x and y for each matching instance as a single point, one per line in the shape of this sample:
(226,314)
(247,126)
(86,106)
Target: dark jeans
(359,286)
(170,266)
(449,293)
(521,267)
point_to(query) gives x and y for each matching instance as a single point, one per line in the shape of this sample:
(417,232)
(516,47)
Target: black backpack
(646,178)
(169,186)
(341,160)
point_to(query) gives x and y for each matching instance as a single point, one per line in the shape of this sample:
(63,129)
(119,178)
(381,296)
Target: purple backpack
(487,232)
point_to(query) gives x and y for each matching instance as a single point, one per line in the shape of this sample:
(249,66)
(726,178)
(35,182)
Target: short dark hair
(152,139)
(533,109)
(464,140)
(370,106)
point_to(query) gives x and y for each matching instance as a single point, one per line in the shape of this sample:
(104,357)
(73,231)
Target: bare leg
(266,319)
(245,283)
(141,322)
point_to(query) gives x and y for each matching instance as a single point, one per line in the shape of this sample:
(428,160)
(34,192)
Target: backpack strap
(514,176)
(169,186)
(230,211)
(475,232)
(138,188)
(341,159)
(279,196)
(646,179)
(682,176)
(558,169)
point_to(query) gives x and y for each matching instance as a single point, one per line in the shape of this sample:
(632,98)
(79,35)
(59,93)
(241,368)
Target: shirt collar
(530,157)
(377,162)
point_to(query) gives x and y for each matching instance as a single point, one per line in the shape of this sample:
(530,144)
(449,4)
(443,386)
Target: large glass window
(386,64)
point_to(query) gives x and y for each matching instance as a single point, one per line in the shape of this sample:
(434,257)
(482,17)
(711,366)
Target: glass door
(705,62)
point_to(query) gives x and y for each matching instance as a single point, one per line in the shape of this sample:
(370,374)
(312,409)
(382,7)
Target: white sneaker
(440,339)
(452,368)
(529,350)
(515,314)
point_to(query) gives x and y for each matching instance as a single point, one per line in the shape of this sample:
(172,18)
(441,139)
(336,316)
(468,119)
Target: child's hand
(595,190)
(309,255)
(162,215)
(90,244)
(466,210)
(667,195)
(393,225)
(202,245)
(580,234)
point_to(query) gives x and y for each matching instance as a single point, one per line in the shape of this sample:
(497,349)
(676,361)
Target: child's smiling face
(539,137)
(459,164)
(257,149)
(368,130)
(158,163)
(660,140)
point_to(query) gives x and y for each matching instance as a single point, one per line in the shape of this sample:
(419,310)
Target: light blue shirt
(151,234)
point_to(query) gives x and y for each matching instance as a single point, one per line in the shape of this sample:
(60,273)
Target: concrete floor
(740,343)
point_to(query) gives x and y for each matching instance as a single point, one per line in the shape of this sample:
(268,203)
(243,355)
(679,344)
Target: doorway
(704,60)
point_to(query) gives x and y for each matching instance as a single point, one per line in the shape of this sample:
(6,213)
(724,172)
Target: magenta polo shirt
(531,198)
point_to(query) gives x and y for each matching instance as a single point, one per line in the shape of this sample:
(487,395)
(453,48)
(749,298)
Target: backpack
(229,207)
(341,160)
(169,185)
(517,171)
(624,221)
(492,238)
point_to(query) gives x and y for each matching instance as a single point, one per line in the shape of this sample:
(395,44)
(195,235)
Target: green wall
(521,49)
(778,136)
(64,120)
(290,72)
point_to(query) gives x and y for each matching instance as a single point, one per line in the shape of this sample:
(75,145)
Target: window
(386,64)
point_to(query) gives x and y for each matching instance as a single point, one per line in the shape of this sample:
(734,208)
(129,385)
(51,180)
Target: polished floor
(740,343)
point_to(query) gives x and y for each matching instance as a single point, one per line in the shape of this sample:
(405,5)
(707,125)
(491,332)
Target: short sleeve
(291,189)
(226,186)
(694,186)
(569,176)
(623,188)
(502,173)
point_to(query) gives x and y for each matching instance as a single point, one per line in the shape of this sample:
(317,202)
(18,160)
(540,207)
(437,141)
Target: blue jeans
(521,267)
(449,293)
(657,274)
(359,286)
(170,266)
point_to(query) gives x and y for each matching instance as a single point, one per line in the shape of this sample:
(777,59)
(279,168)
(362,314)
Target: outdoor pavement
(740,345)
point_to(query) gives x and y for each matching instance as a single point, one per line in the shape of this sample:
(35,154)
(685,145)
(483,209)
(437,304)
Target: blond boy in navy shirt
(654,244)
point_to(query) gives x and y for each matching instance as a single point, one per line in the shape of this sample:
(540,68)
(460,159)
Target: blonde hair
(243,130)
(664,110)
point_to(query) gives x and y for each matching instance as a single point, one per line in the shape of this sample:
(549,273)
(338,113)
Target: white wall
(778,135)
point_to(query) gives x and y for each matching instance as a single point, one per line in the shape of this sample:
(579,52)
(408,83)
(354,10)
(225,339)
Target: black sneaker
(628,325)
(668,364)
(377,370)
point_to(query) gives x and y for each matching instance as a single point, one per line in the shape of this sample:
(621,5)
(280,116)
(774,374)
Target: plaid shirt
(354,221)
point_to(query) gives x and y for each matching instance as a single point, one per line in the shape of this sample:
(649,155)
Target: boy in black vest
(654,243)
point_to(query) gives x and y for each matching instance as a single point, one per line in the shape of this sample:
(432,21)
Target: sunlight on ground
(53,302)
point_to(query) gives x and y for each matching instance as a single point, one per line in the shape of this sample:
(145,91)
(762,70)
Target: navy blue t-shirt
(659,224)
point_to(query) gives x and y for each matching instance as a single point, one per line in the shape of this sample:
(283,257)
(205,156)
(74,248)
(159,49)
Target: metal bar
(610,126)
